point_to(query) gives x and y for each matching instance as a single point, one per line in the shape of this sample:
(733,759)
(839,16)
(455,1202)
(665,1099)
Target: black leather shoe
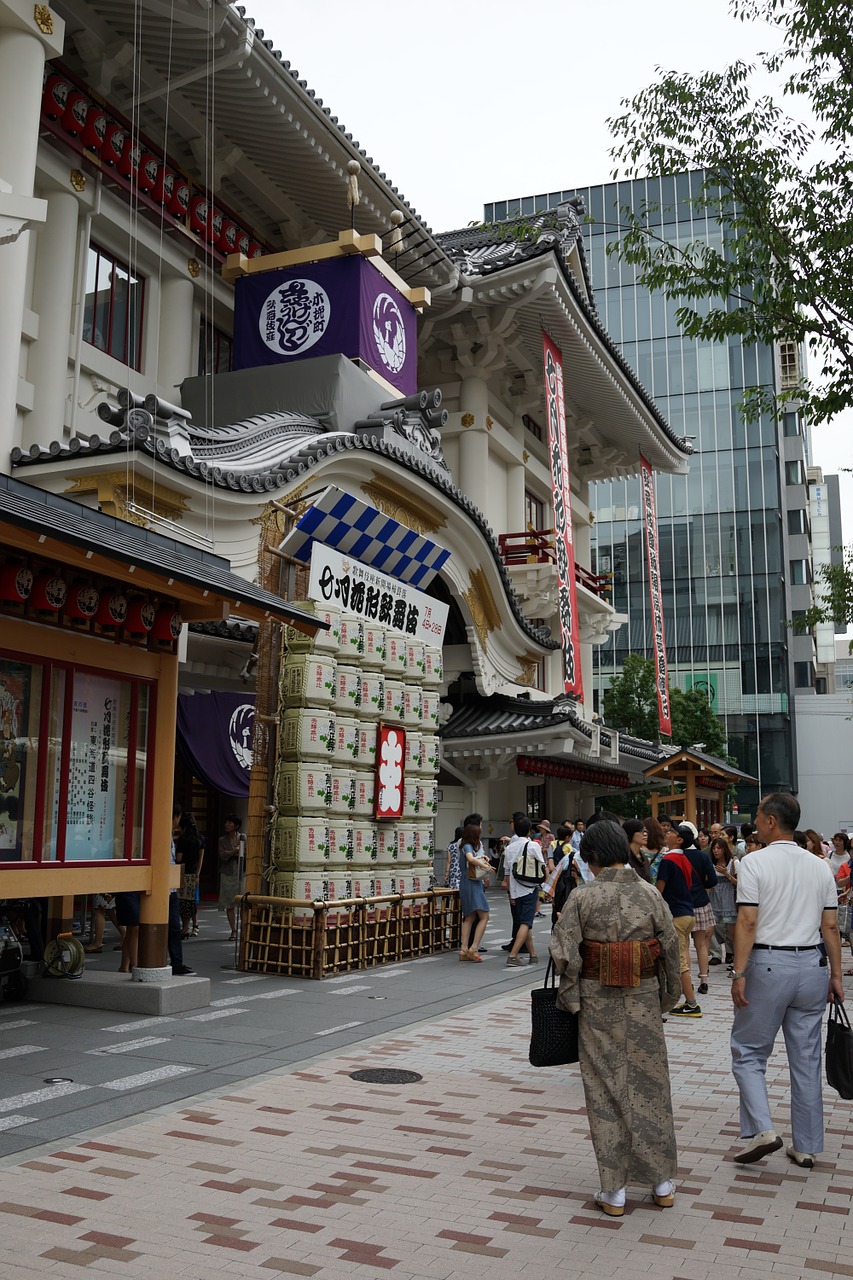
(181,971)
(507,946)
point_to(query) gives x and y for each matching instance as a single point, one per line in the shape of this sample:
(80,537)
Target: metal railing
(536,546)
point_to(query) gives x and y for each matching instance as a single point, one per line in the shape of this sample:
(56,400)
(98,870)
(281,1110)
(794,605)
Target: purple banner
(215,739)
(338,307)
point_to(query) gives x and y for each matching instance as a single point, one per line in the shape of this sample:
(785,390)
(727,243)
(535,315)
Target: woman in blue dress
(472,893)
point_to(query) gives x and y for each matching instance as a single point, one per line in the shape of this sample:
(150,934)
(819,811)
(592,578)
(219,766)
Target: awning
(339,520)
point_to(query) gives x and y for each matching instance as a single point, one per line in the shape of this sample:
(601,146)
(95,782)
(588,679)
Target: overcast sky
(463,103)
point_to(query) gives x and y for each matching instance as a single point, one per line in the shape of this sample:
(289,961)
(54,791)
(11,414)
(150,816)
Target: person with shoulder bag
(472,892)
(524,876)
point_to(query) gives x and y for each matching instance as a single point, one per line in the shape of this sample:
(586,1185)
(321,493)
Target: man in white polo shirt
(787,901)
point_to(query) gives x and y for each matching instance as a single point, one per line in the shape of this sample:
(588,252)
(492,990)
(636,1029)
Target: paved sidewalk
(483,1169)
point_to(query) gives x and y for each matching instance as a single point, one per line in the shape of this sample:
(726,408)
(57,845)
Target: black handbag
(839,1051)
(553,1032)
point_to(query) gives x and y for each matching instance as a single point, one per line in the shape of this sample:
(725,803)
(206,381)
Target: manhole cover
(385,1075)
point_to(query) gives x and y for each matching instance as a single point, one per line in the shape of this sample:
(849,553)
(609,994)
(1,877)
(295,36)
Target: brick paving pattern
(483,1169)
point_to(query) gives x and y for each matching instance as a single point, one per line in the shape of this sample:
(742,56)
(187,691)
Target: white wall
(824,759)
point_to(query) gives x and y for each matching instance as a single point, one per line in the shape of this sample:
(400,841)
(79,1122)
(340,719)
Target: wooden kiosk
(704,778)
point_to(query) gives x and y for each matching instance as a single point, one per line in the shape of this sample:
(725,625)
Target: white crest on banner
(389,332)
(240,730)
(294,316)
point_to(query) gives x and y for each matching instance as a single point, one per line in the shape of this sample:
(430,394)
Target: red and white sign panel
(653,562)
(390,771)
(559,453)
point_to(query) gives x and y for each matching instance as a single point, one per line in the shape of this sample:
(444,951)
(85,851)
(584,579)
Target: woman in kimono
(616,950)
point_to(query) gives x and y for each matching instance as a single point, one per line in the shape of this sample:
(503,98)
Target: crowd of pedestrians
(632,904)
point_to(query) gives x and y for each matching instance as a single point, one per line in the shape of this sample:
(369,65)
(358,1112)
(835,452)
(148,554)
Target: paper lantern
(167,625)
(255,250)
(74,115)
(95,128)
(227,241)
(146,174)
(48,593)
(82,603)
(112,610)
(140,617)
(244,240)
(164,185)
(214,228)
(179,201)
(16,583)
(55,97)
(199,216)
(128,165)
(115,138)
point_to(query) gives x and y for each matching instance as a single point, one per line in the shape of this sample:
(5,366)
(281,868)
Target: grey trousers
(786,989)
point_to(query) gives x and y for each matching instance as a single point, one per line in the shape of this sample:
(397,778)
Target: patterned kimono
(623,1059)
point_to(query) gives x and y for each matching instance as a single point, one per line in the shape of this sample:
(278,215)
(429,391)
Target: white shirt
(513,851)
(791,888)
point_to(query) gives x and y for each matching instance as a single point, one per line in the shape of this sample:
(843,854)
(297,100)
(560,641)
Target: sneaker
(483,951)
(182,970)
(686,1010)
(715,960)
(803,1158)
(507,946)
(703,988)
(194,932)
(514,962)
(611,1202)
(532,959)
(664,1194)
(540,915)
(761,1145)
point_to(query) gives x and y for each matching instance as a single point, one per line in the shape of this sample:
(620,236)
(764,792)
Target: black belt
(765,946)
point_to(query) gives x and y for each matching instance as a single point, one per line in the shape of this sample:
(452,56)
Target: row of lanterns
(545,768)
(46,593)
(83,118)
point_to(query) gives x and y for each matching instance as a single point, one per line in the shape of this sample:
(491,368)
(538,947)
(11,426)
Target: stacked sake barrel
(334,690)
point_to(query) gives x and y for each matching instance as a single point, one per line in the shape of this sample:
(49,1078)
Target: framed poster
(15,695)
(390,772)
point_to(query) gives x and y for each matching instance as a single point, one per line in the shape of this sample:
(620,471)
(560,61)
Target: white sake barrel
(395,654)
(412,706)
(300,844)
(365,756)
(308,680)
(429,753)
(374,654)
(363,783)
(341,841)
(324,642)
(406,849)
(304,788)
(433,665)
(415,665)
(430,703)
(414,751)
(411,798)
(365,844)
(307,734)
(347,689)
(386,842)
(352,639)
(372,695)
(427,799)
(342,793)
(393,702)
(345,748)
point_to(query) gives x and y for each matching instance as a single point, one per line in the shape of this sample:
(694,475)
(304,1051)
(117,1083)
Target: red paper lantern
(227,241)
(214,229)
(146,175)
(49,592)
(128,165)
(140,617)
(164,185)
(74,115)
(82,603)
(179,201)
(55,97)
(112,610)
(16,583)
(167,625)
(255,250)
(115,139)
(95,128)
(199,216)
(244,240)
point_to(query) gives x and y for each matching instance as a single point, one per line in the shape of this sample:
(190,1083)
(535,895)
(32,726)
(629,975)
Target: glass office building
(734,536)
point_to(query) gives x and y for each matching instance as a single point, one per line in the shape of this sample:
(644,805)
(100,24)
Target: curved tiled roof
(485,250)
(297,451)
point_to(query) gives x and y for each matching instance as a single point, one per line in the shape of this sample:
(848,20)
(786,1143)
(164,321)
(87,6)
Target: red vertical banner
(558,451)
(653,562)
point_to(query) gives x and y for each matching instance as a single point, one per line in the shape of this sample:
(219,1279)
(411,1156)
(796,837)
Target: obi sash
(619,964)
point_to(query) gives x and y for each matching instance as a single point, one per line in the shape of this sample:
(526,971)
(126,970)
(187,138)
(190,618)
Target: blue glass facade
(723,548)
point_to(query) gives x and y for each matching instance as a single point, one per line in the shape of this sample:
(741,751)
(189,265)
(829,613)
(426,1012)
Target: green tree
(631,702)
(834,595)
(693,721)
(777,196)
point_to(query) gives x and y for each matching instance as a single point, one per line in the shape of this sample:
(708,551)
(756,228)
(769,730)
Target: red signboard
(653,562)
(390,772)
(558,450)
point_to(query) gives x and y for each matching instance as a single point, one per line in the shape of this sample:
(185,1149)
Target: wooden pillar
(60,916)
(653,800)
(690,796)
(154,907)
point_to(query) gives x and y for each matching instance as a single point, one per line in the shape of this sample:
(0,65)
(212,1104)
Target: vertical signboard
(558,452)
(653,561)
